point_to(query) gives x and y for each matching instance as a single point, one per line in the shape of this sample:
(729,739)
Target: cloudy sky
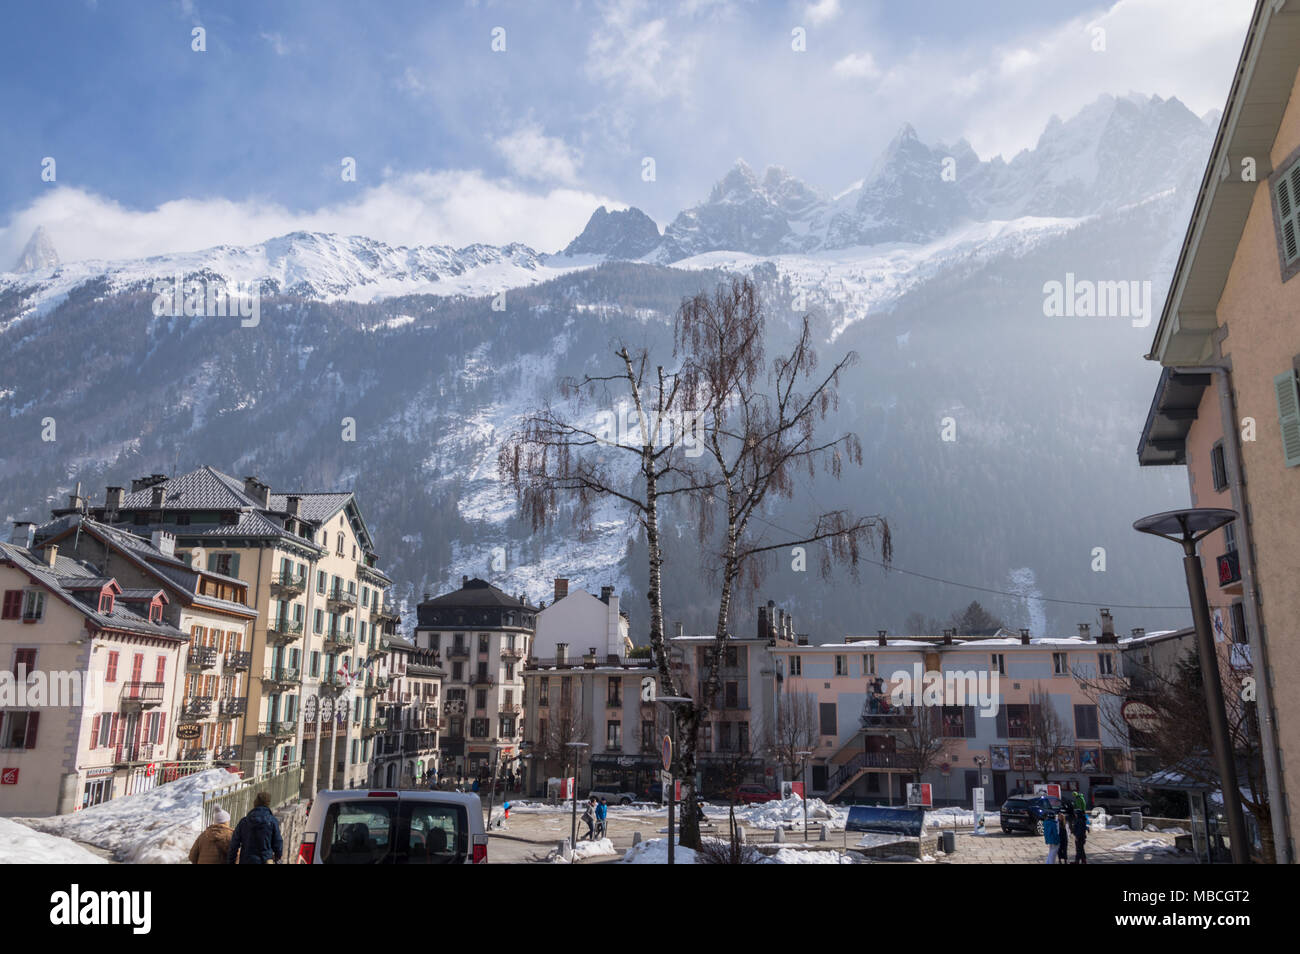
(158,147)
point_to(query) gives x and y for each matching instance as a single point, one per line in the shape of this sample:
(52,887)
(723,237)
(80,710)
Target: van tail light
(307,850)
(382,795)
(480,850)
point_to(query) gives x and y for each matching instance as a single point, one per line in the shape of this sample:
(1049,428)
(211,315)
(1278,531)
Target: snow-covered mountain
(626,233)
(309,265)
(38,253)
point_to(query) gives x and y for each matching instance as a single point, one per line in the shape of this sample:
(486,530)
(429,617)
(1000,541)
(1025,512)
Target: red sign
(1140,716)
(566,788)
(9,776)
(668,753)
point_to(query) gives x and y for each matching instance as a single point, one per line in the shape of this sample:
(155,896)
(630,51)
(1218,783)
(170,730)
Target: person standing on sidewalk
(1065,822)
(213,846)
(1051,837)
(257,837)
(602,813)
(1080,837)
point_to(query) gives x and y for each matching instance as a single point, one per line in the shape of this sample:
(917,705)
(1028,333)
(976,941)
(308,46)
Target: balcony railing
(1229,568)
(142,695)
(238,661)
(232,708)
(196,707)
(276,730)
(336,639)
(341,599)
(512,652)
(195,754)
(284,630)
(457,652)
(282,676)
(140,752)
(226,753)
(289,584)
(387,611)
(202,657)
(482,679)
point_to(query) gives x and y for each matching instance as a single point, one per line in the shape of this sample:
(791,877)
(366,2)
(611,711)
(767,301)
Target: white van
(362,827)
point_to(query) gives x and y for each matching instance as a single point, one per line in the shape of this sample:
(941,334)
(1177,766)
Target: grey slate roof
(77,593)
(316,507)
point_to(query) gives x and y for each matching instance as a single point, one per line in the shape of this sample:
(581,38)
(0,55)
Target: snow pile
(791,856)
(155,827)
(958,818)
(587,849)
(20,845)
(782,814)
(655,852)
(1153,845)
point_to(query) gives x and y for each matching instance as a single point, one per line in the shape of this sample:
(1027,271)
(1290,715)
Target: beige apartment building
(482,636)
(311,571)
(92,675)
(406,716)
(1228,402)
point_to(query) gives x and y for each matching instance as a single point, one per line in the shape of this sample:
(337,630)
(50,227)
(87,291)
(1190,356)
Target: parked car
(751,793)
(613,796)
(1119,801)
(1026,812)
(416,827)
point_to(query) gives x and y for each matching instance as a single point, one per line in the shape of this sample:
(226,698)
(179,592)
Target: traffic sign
(668,752)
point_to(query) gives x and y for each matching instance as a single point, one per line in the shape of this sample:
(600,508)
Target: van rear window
(358,833)
(438,834)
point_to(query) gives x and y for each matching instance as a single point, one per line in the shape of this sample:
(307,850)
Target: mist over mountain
(937,284)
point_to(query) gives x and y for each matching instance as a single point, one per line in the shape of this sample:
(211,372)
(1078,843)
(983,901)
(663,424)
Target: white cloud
(531,154)
(277,43)
(638,55)
(823,11)
(456,207)
(856,66)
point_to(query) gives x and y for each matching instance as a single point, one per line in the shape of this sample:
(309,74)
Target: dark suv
(1026,812)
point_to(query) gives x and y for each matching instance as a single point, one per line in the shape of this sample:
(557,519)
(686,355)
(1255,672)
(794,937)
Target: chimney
(1138,632)
(23,533)
(679,631)
(561,653)
(880,636)
(802,639)
(771,619)
(464,581)
(292,504)
(605,593)
(75,500)
(1024,637)
(257,490)
(947,637)
(762,622)
(561,588)
(1085,631)
(157,492)
(613,629)
(1107,628)
(114,499)
(165,542)
(51,554)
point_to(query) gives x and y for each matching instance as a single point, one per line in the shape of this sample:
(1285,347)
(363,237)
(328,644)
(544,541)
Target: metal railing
(340,597)
(284,630)
(279,729)
(202,657)
(238,661)
(142,694)
(283,786)
(230,708)
(282,675)
(196,707)
(289,582)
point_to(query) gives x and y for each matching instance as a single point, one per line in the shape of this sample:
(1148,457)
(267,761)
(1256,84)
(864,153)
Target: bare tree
(566,725)
(1180,735)
(760,421)
(792,728)
(1051,742)
(920,744)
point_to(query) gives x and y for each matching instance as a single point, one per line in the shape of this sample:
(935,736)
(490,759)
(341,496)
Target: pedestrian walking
(602,813)
(1065,822)
(1080,837)
(1051,837)
(589,818)
(212,847)
(257,836)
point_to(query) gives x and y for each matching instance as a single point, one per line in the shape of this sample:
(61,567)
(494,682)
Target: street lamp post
(805,756)
(1189,527)
(673,703)
(576,748)
(979,783)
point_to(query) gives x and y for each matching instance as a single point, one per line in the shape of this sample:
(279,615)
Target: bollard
(948,842)
(566,851)
(778,836)
(740,834)
(1135,820)
(825,834)
(636,838)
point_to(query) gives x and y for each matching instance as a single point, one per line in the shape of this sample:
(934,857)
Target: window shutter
(1002,722)
(969,712)
(94,731)
(160,675)
(1288,207)
(162,726)
(111,675)
(1288,414)
(33,720)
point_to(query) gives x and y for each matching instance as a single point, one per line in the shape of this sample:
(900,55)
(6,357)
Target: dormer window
(106,602)
(155,611)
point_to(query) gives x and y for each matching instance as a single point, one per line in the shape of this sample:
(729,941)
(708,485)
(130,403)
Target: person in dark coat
(1080,837)
(257,836)
(1066,820)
